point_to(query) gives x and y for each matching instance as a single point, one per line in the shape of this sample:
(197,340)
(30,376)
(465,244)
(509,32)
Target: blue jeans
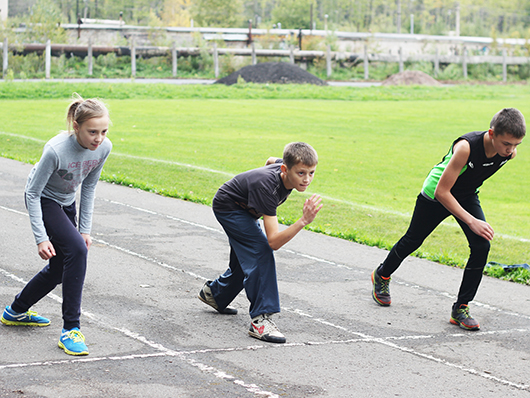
(427,216)
(252,266)
(67,267)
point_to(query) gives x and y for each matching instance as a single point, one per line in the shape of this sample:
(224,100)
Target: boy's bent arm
(271,160)
(443,193)
(279,238)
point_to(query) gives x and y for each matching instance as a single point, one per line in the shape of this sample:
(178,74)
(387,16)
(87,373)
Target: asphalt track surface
(149,335)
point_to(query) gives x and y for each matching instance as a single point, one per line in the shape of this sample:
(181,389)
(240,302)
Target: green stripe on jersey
(431,182)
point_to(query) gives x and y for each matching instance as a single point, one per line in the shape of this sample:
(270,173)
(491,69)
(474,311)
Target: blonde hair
(81,110)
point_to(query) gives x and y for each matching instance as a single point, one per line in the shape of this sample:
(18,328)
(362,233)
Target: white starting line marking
(222,375)
(163,351)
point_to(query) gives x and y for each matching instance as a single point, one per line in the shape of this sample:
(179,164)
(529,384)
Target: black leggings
(67,267)
(427,216)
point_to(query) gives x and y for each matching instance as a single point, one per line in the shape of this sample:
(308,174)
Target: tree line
(501,18)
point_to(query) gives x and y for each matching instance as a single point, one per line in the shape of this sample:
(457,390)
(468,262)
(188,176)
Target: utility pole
(457,28)
(311,15)
(399,16)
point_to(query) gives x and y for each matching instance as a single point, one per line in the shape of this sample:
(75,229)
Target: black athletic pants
(67,267)
(427,216)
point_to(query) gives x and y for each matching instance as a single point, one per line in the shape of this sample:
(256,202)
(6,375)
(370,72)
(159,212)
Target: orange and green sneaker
(460,316)
(380,289)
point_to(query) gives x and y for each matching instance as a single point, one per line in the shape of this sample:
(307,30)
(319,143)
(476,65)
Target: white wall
(3,9)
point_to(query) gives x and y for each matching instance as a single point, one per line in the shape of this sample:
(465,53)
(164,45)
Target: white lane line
(173,163)
(161,215)
(420,354)
(24,137)
(156,346)
(256,390)
(453,297)
(13,211)
(147,258)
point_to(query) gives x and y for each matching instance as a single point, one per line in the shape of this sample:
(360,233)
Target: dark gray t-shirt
(259,191)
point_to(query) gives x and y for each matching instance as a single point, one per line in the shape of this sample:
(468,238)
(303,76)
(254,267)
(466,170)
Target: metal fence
(294,54)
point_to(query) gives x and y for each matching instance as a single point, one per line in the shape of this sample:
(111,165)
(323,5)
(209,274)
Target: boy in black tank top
(451,188)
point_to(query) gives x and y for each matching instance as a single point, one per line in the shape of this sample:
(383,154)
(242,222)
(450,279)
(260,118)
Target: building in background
(4,6)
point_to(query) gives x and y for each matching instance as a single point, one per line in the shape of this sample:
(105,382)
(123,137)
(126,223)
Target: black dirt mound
(411,77)
(272,72)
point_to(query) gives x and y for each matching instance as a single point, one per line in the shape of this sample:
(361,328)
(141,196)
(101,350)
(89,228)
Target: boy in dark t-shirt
(238,205)
(451,188)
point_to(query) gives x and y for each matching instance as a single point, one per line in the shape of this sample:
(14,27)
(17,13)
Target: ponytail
(81,110)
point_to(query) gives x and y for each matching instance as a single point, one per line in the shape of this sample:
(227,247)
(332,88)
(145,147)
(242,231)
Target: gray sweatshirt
(63,167)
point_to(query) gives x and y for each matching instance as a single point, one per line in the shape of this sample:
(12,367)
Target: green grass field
(375,145)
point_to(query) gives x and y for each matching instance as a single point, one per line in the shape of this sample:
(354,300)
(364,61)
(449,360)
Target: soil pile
(411,77)
(272,72)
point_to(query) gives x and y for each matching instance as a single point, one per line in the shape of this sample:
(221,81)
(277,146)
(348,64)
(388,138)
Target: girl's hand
(46,250)
(88,240)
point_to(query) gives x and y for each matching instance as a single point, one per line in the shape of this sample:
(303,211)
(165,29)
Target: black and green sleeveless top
(477,169)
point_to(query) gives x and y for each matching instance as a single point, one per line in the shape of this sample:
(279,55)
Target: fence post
(48,57)
(215,60)
(253,47)
(5,59)
(89,56)
(174,57)
(464,62)
(504,67)
(365,63)
(437,62)
(133,58)
(400,59)
(291,54)
(328,60)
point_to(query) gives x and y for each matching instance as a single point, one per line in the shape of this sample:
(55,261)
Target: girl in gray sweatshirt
(71,160)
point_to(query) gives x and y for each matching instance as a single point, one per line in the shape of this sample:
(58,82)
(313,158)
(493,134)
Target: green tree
(44,23)
(176,12)
(293,14)
(219,13)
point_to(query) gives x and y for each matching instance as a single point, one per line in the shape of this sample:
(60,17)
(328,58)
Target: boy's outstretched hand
(311,208)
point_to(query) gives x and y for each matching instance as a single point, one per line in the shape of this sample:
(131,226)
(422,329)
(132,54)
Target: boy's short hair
(299,152)
(510,121)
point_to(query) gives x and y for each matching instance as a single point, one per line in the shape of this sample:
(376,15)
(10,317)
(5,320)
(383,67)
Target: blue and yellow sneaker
(73,342)
(28,318)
